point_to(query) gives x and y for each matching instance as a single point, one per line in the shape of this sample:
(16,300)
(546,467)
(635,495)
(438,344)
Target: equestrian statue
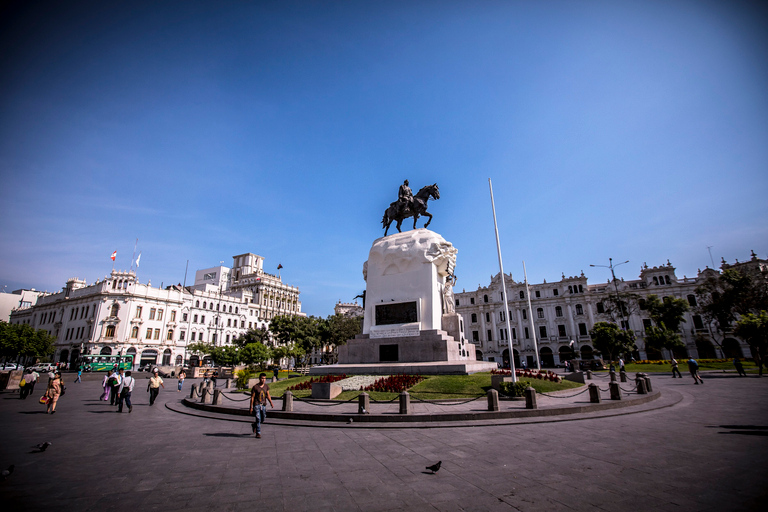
(409,205)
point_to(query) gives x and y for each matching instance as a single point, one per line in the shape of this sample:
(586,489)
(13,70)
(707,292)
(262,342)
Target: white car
(11,366)
(43,368)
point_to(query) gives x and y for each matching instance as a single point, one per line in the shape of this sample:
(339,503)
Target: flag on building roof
(114,255)
(137,260)
(279,266)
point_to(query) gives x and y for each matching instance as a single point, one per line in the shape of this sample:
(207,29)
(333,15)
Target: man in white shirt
(124,392)
(115,379)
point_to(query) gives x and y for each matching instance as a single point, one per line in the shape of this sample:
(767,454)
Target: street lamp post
(611,266)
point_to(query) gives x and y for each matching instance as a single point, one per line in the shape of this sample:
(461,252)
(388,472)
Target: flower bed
(308,384)
(394,383)
(531,374)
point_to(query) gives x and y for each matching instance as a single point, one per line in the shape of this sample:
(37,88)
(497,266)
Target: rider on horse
(404,198)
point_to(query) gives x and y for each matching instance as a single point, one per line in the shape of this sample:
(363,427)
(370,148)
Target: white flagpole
(134,253)
(503,287)
(530,318)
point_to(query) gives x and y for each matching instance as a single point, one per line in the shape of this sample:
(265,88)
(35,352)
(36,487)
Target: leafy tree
(255,353)
(22,340)
(335,331)
(667,315)
(259,335)
(200,347)
(225,356)
(609,339)
(734,293)
(621,306)
(301,334)
(753,328)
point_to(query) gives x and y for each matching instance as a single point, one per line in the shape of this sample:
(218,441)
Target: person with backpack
(114,384)
(693,367)
(125,390)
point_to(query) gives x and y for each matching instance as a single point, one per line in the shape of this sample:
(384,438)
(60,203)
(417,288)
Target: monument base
(414,368)
(419,346)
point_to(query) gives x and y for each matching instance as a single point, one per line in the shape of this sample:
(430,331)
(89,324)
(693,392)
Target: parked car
(43,367)
(12,366)
(146,368)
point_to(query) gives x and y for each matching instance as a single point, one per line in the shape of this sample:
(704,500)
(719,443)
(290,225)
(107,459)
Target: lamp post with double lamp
(611,266)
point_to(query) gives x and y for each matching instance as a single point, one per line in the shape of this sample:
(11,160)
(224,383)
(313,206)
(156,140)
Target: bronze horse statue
(416,209)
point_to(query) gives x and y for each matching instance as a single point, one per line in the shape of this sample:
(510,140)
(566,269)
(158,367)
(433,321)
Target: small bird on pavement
(7,472)
(43,446)
(435,467)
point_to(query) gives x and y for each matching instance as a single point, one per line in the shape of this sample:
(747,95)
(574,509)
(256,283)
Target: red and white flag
(114,255)
(279,266)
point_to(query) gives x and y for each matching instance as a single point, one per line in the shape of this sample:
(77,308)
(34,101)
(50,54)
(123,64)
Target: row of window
(539,312)
(562,332)
(537,293)
(76,333)
(207,305)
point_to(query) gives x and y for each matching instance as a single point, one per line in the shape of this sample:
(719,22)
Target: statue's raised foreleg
(430,218)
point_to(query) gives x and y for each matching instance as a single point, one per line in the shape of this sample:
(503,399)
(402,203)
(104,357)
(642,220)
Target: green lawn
(438,387)
(683,366)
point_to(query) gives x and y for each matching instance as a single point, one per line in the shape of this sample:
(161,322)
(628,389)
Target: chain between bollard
(569,396)
(448,403)
(228,398)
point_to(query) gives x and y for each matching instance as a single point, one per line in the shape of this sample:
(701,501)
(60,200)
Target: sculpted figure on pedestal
(408,205)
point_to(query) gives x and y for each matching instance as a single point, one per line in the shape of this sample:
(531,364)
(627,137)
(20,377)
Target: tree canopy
(609,339)
(667,315)
(23,340)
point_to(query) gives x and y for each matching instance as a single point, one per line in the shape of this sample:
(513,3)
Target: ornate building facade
(563,313)
(119,315)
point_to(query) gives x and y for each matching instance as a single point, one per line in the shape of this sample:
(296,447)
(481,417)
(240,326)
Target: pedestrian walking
(214,377)
(259,397)
(106,386)
(675,369)
(30,379)
(154,386)
(125,390)
(693,367)
(55,390)
(114,382)
(621,364)
(739,367)
(206,377)
(79,374)
(182,376)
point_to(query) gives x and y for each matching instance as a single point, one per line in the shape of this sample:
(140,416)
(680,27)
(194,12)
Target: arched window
(692,300)
(178,360)
(655,280)
(110,332)
(114,284)
(230,309)
(170,335)
(134,332)
(205,304)
(579,309)
(525,314)
(115,309)
(570,289)
(167,357)
(210,306)
(485,298)
(558,311)
(540,312)
(217,307)
(474,318)
(666,280)
(235,310)
(106,351)
(197,303)
(522,295)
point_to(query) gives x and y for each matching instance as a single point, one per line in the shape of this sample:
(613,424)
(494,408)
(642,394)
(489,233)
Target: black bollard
(363,403)
(530,398)
(613,375)
(288,401)
(594,394)
(615,391)
(589,374)
(405,403)
(493,400)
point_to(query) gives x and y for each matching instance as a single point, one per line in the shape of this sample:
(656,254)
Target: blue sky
(631,130)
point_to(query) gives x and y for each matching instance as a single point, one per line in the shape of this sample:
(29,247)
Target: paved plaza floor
(706,449)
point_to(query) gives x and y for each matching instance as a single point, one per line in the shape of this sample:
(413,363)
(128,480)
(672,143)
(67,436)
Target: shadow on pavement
(223,434)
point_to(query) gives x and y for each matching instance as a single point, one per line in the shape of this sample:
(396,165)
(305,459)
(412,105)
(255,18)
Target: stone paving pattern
(705,451)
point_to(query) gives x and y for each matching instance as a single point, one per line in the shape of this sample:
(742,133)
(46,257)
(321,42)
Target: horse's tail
(384,219)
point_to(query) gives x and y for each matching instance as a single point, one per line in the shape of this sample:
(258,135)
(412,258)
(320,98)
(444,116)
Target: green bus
(101,363)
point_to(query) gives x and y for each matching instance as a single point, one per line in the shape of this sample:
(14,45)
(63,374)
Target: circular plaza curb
(642,403)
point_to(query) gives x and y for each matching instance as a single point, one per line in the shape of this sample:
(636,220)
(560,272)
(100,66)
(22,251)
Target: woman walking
(106,386)
(55,388)
(182,376)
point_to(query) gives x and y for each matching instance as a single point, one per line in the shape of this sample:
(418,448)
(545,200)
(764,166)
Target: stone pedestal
(325,390)
(493,400)
(288,401)
(409,311)
(530,398)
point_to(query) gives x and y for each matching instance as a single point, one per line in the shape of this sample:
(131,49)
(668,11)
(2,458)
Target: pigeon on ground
(44,446)
(350,420)
(7,472)
(435,467)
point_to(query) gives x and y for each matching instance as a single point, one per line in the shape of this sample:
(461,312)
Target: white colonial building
(564,312)
(119,315)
